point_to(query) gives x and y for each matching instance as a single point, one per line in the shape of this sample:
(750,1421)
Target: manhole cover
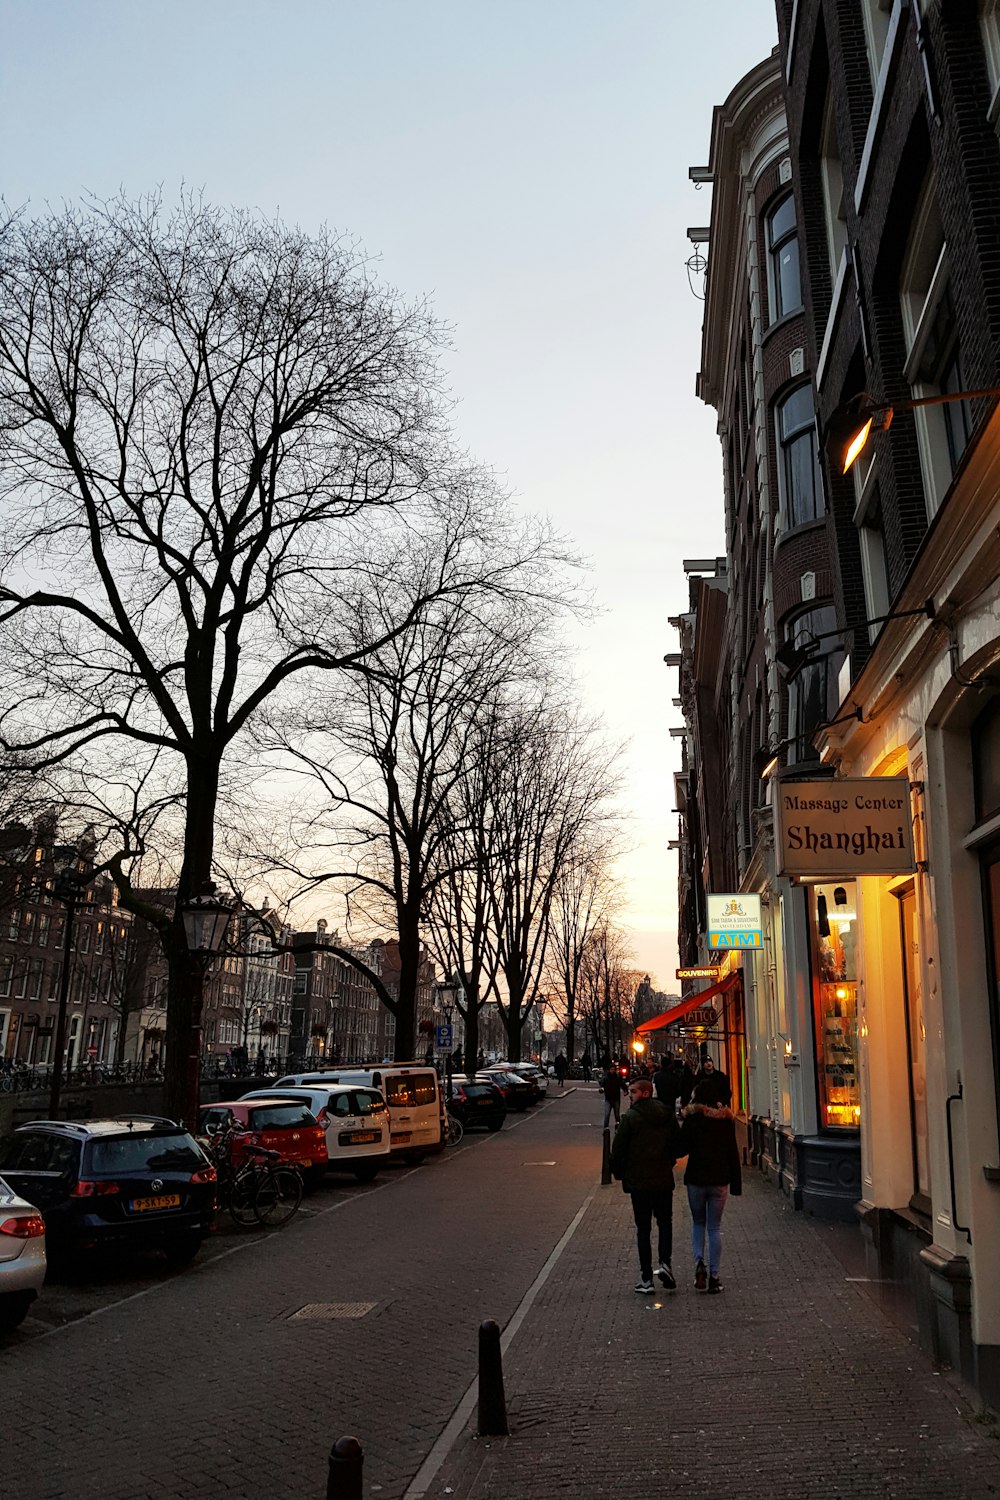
(332,1310)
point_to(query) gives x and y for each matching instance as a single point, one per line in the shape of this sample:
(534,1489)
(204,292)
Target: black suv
(139,1182)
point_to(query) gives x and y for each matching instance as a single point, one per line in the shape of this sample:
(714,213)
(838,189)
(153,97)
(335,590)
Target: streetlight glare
(856,445)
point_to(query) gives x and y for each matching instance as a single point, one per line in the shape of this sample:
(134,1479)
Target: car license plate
(167,1200)
(362,1137)
(400,1136)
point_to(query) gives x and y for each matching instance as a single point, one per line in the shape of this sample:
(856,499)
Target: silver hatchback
(22,1257)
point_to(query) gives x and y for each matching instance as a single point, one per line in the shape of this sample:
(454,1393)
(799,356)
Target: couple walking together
(646,1145)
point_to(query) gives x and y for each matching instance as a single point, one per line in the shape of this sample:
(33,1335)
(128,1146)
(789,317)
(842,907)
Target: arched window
(801,484)
(784,281)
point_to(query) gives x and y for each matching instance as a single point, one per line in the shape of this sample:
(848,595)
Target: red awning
(668,1017)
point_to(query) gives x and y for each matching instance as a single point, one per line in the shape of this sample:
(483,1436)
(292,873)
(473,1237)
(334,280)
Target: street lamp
(67,887)
(205,918)
(853,423)
(447,993)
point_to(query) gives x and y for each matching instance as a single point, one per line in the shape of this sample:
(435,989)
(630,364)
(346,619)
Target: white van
(412,1092)
(355,1119)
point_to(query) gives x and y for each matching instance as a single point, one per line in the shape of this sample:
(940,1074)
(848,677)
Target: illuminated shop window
(833,924)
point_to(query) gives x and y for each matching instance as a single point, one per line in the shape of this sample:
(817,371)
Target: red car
(283,1125)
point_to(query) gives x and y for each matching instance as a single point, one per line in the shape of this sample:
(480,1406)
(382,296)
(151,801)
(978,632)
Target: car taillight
(28,1228)
(94,1189)
(319,1134)
(207,1174)
(321,1118)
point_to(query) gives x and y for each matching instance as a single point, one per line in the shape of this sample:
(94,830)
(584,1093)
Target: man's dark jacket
(645,1147)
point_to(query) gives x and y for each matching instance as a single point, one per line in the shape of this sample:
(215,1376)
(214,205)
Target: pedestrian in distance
(586,1067)
(718,1090)
(713,1172)
(612,1087)
(561,1068)
(642,1158)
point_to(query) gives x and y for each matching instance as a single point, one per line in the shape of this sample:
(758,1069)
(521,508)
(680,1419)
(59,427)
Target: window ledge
(876,118)
(800,530)
(782,322)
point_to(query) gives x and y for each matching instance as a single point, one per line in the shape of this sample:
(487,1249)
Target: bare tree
(585,898)
(551,780)
(392,748)
(215,432)
(607,988)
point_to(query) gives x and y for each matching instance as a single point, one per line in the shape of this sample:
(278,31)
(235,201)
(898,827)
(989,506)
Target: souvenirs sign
(734,922)
(699,971)
(859,826)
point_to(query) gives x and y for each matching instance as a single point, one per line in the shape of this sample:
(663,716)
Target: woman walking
(708,1139)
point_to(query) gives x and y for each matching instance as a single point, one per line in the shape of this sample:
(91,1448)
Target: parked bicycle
(453,1130)
(260,1188)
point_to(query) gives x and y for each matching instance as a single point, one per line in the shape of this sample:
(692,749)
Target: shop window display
(833,924)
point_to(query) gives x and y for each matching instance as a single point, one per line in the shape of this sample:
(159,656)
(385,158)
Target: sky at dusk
(523,162)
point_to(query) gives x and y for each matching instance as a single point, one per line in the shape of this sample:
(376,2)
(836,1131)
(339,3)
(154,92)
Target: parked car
(279,1123)
(136,1182)
(22,1257)
(412,1092)
(529,1070)
(474,1101)
(355,1122)
(518,1092)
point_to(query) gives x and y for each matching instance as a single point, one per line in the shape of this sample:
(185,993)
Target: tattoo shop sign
(858,826)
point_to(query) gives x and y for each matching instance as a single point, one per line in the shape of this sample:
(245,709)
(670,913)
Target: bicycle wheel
(241,1200)
(279,1193)
(455,1131)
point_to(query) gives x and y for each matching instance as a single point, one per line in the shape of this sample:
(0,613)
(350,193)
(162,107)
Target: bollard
(606,1157)
(347,1460)
(492,1402)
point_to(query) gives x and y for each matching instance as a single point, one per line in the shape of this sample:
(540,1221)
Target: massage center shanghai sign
(734,922)
(858,826)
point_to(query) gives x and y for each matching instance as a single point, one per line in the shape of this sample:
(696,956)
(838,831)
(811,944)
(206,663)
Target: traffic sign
(442,1038)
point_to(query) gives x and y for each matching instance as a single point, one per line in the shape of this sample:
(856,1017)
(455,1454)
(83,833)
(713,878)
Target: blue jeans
(707,1205)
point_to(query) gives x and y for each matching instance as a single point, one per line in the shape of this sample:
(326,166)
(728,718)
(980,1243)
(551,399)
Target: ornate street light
(205,918)
(447,994)
(854,421)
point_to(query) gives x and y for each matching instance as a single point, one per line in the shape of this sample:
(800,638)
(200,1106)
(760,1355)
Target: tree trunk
(183,979)
(409,974)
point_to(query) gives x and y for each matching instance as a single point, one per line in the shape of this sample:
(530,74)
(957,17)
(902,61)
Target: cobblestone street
(791,1384)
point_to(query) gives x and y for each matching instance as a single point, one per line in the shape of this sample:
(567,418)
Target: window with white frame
(800,483)
(784,281)
(833,190)
(933,352)
(989,26)
(871,538)
(875,14)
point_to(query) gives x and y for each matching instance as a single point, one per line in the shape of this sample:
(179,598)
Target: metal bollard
(606,1157)
(492,1401)
(347,1460)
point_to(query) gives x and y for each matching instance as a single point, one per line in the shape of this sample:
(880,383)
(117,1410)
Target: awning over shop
(668,1017)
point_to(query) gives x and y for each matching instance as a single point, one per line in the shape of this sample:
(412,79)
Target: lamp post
(205,918)
(447,992)
(67,887)
(854,421)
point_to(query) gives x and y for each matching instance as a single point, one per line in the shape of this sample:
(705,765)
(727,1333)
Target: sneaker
(645,1287)
(700,1277)
(667,1277)
(714,1284)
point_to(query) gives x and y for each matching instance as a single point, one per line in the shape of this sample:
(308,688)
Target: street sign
(91,1052)
(442,1038)
(700,971)
(735,922)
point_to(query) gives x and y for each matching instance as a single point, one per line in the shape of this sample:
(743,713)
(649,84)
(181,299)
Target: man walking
(642,1158)
(612,1087)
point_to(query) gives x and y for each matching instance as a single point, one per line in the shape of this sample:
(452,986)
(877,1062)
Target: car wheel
(313,1179)
(366,1172)
(495,1125)
(182,1250)
(13,1310)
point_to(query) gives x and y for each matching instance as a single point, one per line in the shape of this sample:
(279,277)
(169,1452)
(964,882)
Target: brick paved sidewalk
(790,1385)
